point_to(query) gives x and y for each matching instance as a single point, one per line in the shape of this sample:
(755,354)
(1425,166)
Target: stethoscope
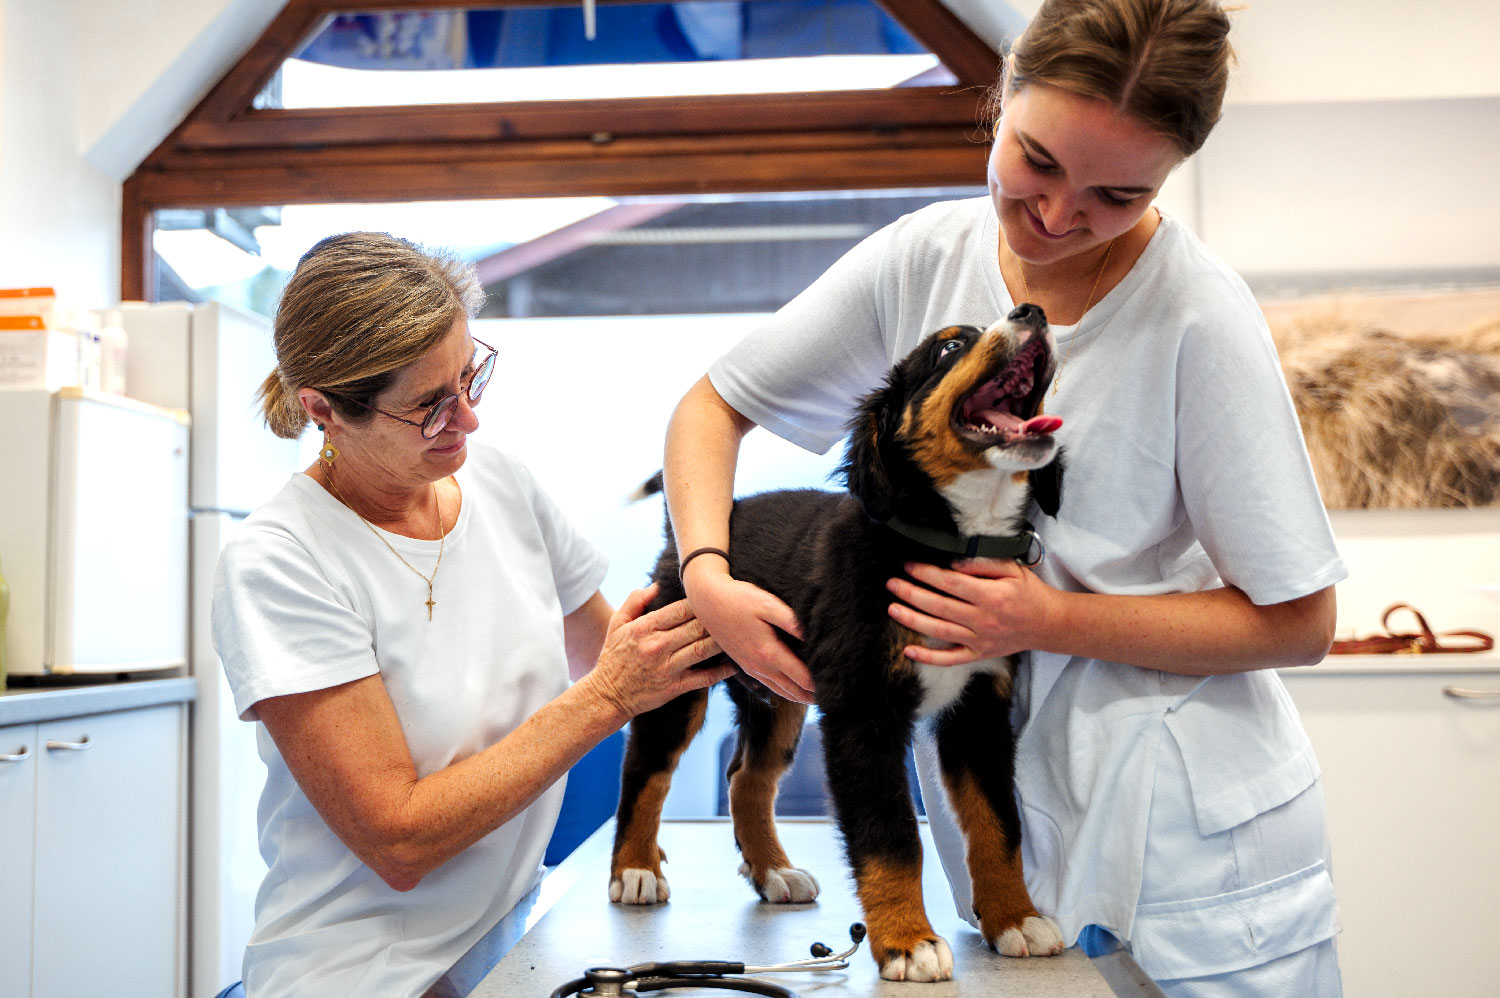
(599,982)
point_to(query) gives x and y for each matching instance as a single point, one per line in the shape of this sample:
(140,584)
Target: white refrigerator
(210,360)
(93,491)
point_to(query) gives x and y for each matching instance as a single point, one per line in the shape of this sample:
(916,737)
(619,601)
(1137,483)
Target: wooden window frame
(227,153)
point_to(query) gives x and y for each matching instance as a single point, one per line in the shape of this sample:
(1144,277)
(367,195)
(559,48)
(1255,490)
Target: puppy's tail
(650,487)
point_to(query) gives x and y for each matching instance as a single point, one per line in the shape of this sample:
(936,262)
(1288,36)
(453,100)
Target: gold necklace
(1026,286)
(442,540)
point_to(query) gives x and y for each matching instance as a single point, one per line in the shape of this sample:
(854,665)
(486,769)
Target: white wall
(1369,185)
(1356,136)
(1296,51)
(59,216)
(87,89)
(177,50)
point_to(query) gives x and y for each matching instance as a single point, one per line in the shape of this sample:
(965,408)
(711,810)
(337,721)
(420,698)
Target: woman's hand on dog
(982,608)
(648,659)
(744,619)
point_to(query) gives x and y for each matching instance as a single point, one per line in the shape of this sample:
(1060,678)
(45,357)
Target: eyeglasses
(442,411)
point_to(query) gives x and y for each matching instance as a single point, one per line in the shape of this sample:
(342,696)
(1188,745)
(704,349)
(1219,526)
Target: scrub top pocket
(1237,930)
(1237,897)
(1268,760)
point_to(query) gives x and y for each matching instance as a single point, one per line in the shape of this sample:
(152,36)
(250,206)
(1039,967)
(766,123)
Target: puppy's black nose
(1031,315)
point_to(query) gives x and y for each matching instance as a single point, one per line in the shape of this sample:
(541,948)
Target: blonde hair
(358,308)
(1167,62)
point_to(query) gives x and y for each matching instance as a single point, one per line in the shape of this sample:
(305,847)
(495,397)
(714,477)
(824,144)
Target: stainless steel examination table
(715,915)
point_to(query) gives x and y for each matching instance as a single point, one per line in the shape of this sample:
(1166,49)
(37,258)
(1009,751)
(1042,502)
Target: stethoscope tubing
(744,985)
(707,974)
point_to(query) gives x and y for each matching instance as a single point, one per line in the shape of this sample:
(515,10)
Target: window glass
(613,50)
(605,311)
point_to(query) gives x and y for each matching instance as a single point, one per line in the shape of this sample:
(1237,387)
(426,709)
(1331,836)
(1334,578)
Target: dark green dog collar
(1025,547)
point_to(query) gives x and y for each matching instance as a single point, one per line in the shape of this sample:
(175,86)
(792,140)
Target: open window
(719,97)
(692,48)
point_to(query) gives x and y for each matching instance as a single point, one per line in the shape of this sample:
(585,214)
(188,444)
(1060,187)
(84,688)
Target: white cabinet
(94,834)
(17,845)
(1412,777)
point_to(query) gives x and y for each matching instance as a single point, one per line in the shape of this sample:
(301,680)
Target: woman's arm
(703,445)
(992,608)
(345,747)
(584,631)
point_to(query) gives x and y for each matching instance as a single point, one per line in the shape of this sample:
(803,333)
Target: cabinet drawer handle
(70,746)
(24,754)
(1459,693)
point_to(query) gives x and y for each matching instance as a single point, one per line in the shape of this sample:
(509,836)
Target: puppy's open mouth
(1003,410)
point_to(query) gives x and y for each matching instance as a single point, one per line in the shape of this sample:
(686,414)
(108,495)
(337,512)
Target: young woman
(1169,794)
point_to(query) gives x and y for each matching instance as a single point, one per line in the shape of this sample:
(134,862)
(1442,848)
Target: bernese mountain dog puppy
(942,462)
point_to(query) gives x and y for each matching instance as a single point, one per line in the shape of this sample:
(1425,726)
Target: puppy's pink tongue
(1039,425)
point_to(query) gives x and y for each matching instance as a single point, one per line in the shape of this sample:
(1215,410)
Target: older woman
(402,620)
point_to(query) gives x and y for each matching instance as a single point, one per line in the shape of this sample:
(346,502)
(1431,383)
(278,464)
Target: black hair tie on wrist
(682,566)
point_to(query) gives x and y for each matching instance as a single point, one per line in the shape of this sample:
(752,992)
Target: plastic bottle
(96,352)
(4,612)
(112,353)
(85,326)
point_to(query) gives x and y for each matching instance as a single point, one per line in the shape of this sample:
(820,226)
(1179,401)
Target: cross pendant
(430,604)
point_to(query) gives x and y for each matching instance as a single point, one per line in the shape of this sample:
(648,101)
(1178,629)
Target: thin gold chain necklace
(1026,286)
(442,540)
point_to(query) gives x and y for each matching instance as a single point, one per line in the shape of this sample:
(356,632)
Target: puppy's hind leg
(977,753)
(657,740)
(768,736)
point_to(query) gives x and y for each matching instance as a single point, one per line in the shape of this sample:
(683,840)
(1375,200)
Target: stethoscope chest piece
(609,981)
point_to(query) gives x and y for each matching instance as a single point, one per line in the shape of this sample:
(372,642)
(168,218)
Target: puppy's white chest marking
(987,502)
(983,502)
(943,684)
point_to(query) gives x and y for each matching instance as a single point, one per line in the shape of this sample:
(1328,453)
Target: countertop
(33,704)
(1375,665)
(715,915)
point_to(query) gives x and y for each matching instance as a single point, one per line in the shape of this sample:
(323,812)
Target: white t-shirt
(1186,469)
(306,597)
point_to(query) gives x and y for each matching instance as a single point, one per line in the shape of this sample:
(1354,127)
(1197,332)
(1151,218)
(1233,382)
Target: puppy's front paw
(634,886)
(929,960)
(1037,935)
(782,885)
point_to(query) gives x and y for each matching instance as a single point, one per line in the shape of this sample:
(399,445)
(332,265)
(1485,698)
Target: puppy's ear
(873,452)
(864,470)
(1046,485)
